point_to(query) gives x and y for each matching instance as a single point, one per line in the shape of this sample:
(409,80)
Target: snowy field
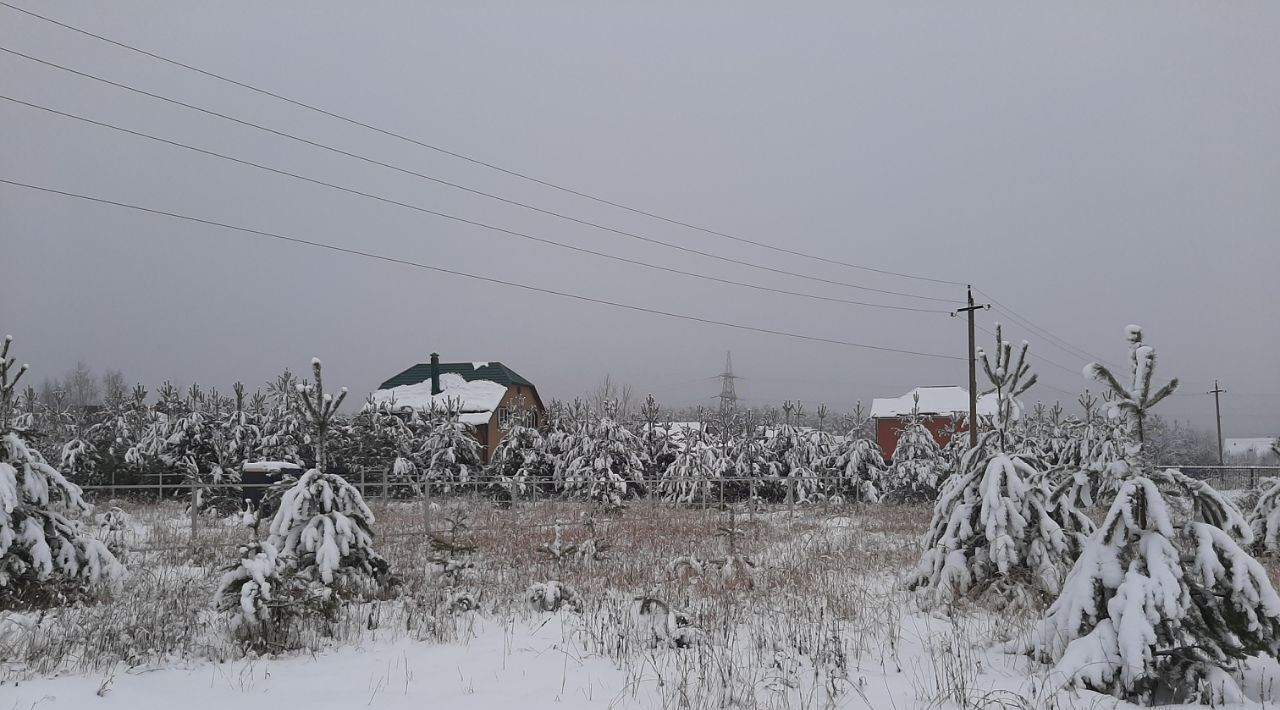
(821,621)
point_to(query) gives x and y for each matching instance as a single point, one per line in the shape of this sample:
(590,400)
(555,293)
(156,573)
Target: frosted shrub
(688,478)
(47,558)
(1163,601)
(993,523)
(602,461)
(520,461)
(861,469)
(552,596)
(320,540)
(324,530)
(1264,519)
(450,452)
(255,594)
(918,467)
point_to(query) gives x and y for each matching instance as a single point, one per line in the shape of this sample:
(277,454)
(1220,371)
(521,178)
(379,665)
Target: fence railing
(717,496)
(1228,477)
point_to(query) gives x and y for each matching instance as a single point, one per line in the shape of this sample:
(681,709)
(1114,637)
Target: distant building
(1251,451)
(484,393)
(941,410)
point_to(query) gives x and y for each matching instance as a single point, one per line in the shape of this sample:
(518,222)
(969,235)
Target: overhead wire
(489,195)
(479,277)
(464,220)
(461,156)
(1051,338)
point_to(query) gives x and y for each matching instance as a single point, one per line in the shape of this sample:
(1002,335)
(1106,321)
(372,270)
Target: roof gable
(469,371)
(943,401)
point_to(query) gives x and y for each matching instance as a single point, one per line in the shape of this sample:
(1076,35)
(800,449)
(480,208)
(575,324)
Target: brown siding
(491,434)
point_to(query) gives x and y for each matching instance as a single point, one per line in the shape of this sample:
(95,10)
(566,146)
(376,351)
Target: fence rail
(713,498)
(1228,477)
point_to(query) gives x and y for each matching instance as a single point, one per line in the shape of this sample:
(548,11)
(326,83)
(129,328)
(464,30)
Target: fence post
(791,496)
(363,493)
(195,516)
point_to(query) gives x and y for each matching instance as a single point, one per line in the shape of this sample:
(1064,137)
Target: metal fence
(1228,477)
(725,499)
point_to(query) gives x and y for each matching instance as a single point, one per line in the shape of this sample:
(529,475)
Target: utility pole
(1217,411)
(973,367)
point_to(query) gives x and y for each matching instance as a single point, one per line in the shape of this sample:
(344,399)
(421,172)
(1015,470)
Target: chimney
(435,373)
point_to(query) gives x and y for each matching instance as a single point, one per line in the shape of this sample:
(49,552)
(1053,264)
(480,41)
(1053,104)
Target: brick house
(485,394)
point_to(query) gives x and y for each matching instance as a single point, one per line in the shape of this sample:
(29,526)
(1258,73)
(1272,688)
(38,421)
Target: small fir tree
(993,525)
(323,529)
(1163,599)
(46,556)
(918,467)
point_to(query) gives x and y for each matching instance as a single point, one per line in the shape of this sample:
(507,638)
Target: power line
(1073,350)
(475,161)
(457,186)
(475,223)
(478,277)
(1052,339)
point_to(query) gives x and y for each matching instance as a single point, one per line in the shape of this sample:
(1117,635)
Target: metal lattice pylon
(728,395)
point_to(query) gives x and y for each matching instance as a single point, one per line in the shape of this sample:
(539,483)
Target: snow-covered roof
(1256,447)
(476,397)
(946,400)
(268,466)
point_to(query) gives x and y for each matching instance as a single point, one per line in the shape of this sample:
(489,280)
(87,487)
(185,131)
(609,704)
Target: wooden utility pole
(1217,412)
(973,367)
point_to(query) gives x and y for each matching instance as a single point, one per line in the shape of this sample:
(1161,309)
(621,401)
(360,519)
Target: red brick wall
(889,429)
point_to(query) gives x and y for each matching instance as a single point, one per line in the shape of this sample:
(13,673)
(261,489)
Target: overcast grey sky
(1088,164)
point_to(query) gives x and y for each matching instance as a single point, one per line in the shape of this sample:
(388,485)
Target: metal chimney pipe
(435,373)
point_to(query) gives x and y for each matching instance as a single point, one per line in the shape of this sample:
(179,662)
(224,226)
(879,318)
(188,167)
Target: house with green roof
(487,395)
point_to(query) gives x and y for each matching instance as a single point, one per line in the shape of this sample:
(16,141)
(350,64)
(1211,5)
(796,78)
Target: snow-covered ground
(825,625)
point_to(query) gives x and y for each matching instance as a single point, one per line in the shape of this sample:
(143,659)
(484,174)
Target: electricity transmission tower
(728,396)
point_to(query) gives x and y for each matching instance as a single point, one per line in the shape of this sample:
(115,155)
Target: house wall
(490,434)
(889,429)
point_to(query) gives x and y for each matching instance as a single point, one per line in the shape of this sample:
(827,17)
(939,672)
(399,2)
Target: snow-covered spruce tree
(658,451)
(1163,600)
(860,466)
(450,453)
(285,435)
(688,478)
(1131,403)
(520,463)
(993,524)
(1264,518)
(796,458)
(603,461)
(46,556)
(323,530)
(918,466)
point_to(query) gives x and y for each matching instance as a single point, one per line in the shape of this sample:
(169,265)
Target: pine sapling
(47,558)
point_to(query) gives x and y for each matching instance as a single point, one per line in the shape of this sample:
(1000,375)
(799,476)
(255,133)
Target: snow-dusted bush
(797,458)
(1264,518)
(993,523)
(860,467)
(602,461)
(1164,599)
(552,596)
(521,462)
(254,593)
(46,556)
(451,454)
(918,467)
(689,476)
(323,529)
